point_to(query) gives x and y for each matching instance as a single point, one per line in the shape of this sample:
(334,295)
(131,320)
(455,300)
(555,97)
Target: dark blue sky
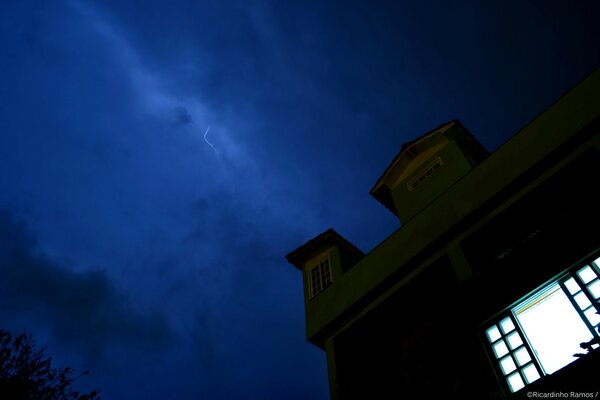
(141,246)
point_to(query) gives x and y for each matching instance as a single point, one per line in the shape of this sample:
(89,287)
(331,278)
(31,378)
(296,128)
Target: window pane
(508,365)
(315,276)
(500,349)
(522,356)
(506,325)
(493,333)
(515,382)
(595,289)
(592,316)
(514,340)
(586,274)
(572,286)
(326,274)
(554,330)
(531,373)
(582,301)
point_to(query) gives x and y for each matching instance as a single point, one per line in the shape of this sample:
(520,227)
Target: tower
(426,167)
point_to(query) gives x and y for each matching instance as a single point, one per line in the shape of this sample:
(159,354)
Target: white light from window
(572,286)
(595,289)
(531,373)
(582,301)
(522,356)
(592,316)
(515,382)
(506,325)
(553,327)
(514,340)
(493,334)
(587,274)
(508,365)
(500,349)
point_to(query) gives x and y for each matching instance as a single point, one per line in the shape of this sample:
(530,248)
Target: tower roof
(330,237)
(410,150)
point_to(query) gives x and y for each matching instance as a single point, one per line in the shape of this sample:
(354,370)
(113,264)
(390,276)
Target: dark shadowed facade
(491,286)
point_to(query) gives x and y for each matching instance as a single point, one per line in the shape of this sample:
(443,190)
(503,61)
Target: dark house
(490,288)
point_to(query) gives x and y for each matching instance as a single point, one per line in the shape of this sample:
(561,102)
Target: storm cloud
(82,309)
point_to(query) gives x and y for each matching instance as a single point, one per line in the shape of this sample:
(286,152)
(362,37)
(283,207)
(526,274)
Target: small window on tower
(320,277)
(426,173)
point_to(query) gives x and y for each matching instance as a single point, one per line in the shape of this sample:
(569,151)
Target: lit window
(320,277)
(543,333)
(512,355)
(553,327)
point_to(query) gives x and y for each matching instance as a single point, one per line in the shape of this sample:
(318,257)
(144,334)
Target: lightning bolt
(209,143)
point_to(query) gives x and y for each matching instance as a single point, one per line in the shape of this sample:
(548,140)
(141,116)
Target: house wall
(408,316)
(454,165)
(415,344)
(395,344)
(565,128)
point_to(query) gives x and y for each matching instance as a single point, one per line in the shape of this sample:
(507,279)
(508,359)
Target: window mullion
(532,353)
(574,303)
(502,378)
(596,266)
(585,290)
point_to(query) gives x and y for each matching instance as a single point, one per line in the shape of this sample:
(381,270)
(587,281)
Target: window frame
(320,276)
(425,173)
(571,273)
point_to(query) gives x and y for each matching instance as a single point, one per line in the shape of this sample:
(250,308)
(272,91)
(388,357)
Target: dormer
(322,260)
(426,167)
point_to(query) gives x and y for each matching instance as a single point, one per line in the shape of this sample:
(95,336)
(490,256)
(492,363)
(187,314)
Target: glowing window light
(553,327)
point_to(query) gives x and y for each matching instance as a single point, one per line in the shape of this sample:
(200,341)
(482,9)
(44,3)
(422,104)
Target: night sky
(159,159)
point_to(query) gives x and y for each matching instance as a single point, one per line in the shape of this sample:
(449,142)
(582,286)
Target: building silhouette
(490,288)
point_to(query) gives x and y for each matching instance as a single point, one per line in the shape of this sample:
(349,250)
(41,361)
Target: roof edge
(298,256)
(404,148)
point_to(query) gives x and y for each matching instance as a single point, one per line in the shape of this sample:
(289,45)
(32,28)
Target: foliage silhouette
(26,373)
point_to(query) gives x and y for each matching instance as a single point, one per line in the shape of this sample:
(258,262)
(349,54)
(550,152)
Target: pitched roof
(380,190)
(299,256)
